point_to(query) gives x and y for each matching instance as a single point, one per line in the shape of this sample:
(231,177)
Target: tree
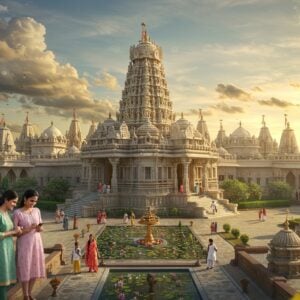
(56,190)
(255,192)
(235,191)
(23,184)
(4,185)
(279,190)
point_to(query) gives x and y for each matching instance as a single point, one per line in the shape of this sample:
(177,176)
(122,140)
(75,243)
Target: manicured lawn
(230,238)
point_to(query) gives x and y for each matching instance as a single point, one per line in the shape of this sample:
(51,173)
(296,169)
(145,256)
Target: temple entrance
(291,179)
(23,174)
(179,176)
(107,172)
(11,176)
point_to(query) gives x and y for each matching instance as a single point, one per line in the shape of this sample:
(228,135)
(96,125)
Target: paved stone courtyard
(219,283)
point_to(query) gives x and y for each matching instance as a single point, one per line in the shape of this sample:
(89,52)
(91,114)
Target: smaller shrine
(284,255)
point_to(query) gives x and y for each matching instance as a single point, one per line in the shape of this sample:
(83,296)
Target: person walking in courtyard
(264,214)
(30,251)
(8,202)
(61,215)
(91,254)
(103,217)
(99,216)
(75,222)
(212,227)
(260,215)
(211,254)
(75,258)
(57,216)
(66,223)
(125,218)
(213,206)
(132,218)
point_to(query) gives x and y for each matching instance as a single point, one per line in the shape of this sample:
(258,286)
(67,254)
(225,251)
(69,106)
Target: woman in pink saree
(91,254)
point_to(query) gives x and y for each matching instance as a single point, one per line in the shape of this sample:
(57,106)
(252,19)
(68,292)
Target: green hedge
(47,205)
(265,203)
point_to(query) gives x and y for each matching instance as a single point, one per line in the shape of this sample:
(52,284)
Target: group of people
(28,263)
(59,216)
(126,218)
(262,214)
(101,217)
(103,188)
(91,256)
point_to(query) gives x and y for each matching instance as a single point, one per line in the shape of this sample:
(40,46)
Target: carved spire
(285,120)
(263,121)
(200,114)
(144,35)
(27,119)
(221,124)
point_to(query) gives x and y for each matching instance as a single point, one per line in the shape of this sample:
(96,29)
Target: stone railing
(230,206)
(274,286)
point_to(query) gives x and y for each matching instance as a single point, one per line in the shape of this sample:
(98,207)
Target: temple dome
(285,238)
(147,128)
(182,123)
(51,132)
(241,132)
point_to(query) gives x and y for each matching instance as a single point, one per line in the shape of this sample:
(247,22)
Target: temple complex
(147,153)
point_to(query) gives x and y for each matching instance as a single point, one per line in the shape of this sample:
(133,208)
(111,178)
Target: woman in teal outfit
(7,254)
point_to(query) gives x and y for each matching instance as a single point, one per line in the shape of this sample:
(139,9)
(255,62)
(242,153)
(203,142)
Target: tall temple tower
(266,142)
(23,143)
(74,133)
(145,94)
(288,142)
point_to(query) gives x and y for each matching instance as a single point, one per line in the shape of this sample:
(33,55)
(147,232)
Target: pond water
(169,285)
(117,242)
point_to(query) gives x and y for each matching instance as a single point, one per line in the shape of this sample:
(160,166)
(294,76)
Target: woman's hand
(39,228)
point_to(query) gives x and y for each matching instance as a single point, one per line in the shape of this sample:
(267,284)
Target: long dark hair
(7,196)
(28,194)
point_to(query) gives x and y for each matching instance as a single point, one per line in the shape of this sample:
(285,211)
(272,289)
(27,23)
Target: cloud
(14,127)
(232,92)
(195,112)
(28,69)
(257,89)
(228,109)
(3,8)
(108,81)
(295,84)
(276,102)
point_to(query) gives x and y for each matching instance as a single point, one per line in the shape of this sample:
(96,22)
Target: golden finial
(200,114)
(27,119)
(263,121)
(221,124)
(285,120)
(240,123)
(182,115)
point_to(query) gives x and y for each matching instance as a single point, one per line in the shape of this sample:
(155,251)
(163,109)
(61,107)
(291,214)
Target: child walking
(75,259)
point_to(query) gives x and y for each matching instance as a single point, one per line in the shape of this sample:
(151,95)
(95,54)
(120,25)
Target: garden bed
(227,236)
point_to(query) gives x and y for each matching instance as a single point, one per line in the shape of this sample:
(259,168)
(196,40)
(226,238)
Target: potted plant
(55,282)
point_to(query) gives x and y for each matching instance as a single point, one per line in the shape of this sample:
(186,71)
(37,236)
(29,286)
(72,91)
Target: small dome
(182,123)
(147,128)
(109,122)
(73,150)
(51,132)
(286,238)
(241,132)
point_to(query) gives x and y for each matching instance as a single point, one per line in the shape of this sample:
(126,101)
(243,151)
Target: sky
(235,59)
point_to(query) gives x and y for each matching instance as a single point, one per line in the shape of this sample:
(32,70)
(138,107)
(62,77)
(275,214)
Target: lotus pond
(117,242)
(134,285)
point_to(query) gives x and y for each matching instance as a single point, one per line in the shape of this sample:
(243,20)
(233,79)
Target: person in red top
(91,254)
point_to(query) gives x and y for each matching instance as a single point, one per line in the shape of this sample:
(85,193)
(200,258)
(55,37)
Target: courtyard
(218,283)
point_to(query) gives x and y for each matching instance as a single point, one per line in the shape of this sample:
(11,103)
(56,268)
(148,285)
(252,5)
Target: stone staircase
(205,202)
(74,206)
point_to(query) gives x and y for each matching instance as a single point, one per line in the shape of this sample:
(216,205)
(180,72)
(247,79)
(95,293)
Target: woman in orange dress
(91,254)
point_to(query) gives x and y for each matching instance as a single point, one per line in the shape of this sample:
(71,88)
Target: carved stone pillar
(186,180)
(114,180)
(90,177)
(175,177)
(205,177)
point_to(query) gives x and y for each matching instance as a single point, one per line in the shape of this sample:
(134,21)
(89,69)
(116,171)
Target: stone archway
(11,176)
(291,179)
(23,174)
